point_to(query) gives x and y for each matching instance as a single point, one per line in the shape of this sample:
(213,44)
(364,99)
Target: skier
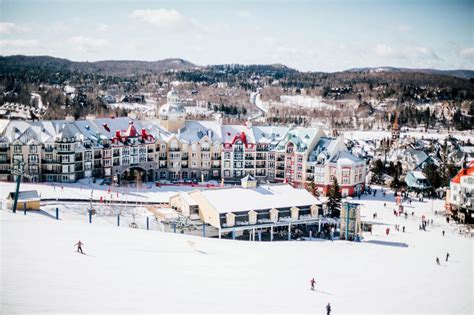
(328,309)
(313,282)
(437,260)
(443,232)
(403,229)
(79,247)
(447,256)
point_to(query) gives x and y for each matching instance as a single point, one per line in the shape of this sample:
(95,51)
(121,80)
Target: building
(172,148)
(461,194)
(183,203)
(28,198)
(259,209)
(417,181)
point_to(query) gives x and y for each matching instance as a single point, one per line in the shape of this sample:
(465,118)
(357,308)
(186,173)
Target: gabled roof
(469,170)
(345,158)
(196,130)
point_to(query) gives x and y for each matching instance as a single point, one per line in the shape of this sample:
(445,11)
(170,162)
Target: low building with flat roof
(257,208)
(28,198)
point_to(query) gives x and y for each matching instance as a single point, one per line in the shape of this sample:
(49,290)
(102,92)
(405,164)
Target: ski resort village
(237,157)
(167,214)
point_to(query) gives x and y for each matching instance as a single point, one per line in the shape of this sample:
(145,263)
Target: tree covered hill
(120,68)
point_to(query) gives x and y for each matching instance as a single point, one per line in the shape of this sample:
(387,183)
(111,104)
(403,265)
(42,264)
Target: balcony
(261,158)
(249,166)
(216,157)
(261,166)
(174,149)
(281,168)
(162,158)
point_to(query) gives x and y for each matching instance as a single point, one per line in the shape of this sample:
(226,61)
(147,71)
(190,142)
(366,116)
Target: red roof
(464,172)
(131,131)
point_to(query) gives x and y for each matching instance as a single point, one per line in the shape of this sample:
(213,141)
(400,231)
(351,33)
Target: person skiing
(437,260)
(313,282)
(328,309)
(447,256)
(443,232)
(79,247)
(403,229)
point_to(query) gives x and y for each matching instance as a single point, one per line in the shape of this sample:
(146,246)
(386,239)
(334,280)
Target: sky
(306,35)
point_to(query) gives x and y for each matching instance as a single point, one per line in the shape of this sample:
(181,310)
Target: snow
(82,191)
(134,270)
(379,135)
(262,197)
(418,174)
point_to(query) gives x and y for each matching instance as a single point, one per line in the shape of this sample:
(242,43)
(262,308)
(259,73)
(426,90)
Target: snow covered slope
(128,270)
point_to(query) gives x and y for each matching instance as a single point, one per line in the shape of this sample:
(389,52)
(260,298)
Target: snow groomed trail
(129,270)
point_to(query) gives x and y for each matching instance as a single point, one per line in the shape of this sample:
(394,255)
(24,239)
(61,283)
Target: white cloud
(88,44)
(20,46)
(384,50)
(244,14)
(8,28)
(406,52)
(467,52)
(11,44)
(404,28)
(102,27)
(164,18)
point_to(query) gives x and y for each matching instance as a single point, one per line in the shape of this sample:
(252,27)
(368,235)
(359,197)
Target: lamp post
(19,172)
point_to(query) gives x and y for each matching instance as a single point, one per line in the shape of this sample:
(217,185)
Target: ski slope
(128,270)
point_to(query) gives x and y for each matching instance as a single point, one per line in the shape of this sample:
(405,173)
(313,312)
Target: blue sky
(307,35)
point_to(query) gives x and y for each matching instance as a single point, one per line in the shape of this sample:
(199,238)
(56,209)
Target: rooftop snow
(262,197)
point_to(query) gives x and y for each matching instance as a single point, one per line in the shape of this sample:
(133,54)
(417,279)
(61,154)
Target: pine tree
(334,203)
(312,188)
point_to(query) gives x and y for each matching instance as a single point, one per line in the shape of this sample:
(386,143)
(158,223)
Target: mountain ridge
(140,67)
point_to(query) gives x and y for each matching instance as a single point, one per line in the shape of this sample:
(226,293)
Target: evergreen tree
(334,203)
(312,188)
(377,169)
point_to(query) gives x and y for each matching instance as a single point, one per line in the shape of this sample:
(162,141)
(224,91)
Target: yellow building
(30,198)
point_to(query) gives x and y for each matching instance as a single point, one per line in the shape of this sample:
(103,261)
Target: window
(88,156)
(33,158)
(227,155)
(33,148)
(17,149)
